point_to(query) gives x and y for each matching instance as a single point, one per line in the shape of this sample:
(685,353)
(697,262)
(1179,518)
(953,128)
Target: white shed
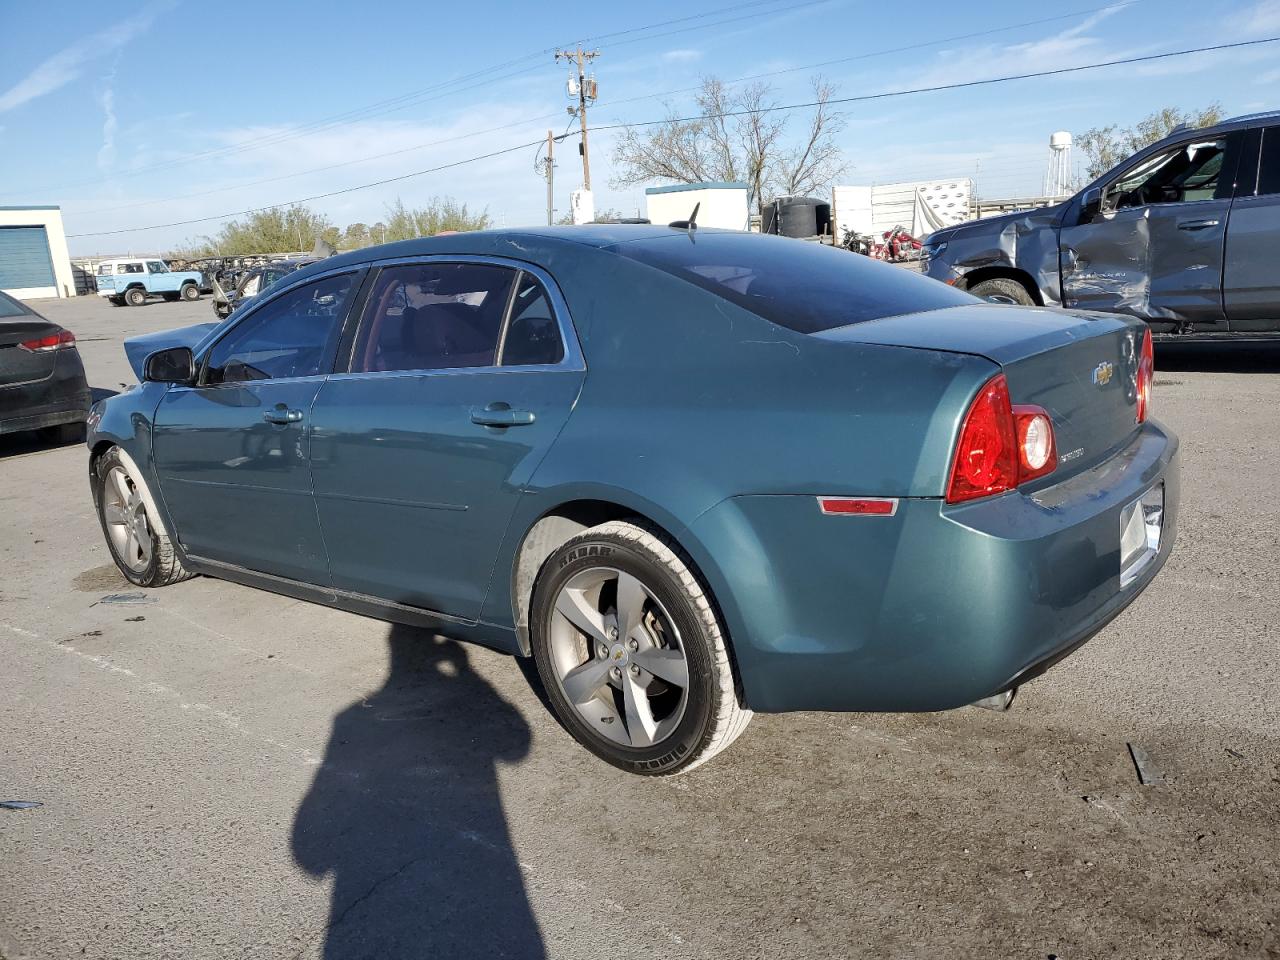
(33,253)
(721,204)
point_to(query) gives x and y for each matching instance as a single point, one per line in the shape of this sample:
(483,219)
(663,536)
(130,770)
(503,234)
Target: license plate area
(1141,523)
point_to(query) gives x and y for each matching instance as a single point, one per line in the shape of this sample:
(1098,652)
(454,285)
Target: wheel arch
(558,523)
(97,451)
(1021,277)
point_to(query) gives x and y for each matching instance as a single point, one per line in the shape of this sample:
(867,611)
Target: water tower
(1057,179)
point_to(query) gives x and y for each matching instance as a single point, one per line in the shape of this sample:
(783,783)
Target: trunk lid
(137,349)
(22,366)
(1081,367)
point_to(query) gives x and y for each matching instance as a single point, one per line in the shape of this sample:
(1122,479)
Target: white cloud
(67,65)
(682,56)
(1263,18)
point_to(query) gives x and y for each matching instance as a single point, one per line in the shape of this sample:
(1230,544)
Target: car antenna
(691,224)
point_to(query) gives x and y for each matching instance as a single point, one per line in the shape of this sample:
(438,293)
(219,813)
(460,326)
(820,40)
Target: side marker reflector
(858,506)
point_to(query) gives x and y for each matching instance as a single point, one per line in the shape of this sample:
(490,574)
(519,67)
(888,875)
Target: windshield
(807,287)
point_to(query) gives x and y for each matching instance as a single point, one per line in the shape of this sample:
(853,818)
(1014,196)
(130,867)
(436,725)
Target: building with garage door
(33,253)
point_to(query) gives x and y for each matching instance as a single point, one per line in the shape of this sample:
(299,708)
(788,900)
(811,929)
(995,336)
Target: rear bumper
(62,397)
(936,606)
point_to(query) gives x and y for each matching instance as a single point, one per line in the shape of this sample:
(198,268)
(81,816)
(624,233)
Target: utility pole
(549,168)
(586,90)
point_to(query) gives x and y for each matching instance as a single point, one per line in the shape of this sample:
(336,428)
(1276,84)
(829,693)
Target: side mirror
(175,365)
(1090,204)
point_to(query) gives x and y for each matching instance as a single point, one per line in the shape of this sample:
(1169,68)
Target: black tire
(170,297)
(135,296)
(713,714)
(116,301)
(190,292)
(1003,290)
(65,433)
(163,567)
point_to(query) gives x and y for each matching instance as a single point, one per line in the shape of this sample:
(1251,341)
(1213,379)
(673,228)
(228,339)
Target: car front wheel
(144,555)
(1003,290)
(631,652)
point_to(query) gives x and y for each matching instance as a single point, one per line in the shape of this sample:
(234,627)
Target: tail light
(1000,445)
(54,341)
(1146,374)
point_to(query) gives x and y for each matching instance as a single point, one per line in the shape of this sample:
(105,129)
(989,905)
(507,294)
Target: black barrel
(796,217)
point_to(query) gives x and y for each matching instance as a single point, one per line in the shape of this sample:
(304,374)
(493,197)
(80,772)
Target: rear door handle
(501,415)
(1196,224)
(282,414)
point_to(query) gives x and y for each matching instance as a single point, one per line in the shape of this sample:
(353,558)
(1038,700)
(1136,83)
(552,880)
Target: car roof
(506,242)
(1243,122)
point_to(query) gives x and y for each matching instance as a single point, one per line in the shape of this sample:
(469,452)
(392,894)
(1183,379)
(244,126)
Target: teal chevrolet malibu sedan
(693,474)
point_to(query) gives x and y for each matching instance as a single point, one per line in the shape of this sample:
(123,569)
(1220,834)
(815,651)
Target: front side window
(156,266)
(532,335)
(1191,171)
(129,268)
(292,336)
(433,316)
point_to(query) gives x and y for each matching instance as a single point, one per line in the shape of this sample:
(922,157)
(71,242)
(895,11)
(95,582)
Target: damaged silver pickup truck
(1184,234)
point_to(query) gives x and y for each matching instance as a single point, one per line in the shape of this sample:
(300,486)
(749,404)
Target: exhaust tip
(999,702)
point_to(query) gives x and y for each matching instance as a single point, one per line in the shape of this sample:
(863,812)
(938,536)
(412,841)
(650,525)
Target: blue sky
(131,115)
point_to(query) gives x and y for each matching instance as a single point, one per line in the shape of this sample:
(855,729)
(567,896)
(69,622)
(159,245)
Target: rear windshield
(10,307)
(806,286)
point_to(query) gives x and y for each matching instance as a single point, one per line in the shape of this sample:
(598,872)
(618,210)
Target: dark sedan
(42,384)
(692,473)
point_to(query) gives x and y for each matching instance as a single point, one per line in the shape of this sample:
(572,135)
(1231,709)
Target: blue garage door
(24,258)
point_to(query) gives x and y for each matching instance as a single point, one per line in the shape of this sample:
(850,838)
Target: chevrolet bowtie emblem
(1102,373)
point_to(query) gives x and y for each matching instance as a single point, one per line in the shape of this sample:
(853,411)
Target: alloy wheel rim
(618,657)
(125,514)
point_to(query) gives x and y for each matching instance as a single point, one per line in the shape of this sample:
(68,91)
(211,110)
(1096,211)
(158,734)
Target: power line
(481,77)
(884,95)
(649,96)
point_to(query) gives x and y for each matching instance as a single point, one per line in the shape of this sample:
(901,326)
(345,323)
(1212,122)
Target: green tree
(274,230)
(439,215)
(355,236)
(1104,147)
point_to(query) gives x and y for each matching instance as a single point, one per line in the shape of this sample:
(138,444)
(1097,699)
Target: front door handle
(501,415)
(1196,224)
(282,414)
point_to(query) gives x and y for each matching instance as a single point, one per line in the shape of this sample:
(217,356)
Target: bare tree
(737,135)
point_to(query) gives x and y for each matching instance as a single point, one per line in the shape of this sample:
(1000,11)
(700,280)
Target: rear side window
(104,269)
(532,334)
(433,316)
(807,287)
(129,268)
(1269,162)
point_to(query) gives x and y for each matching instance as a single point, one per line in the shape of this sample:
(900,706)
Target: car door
(160,279)
(1251,280)
(461,376)
(1155,247)
(232,451)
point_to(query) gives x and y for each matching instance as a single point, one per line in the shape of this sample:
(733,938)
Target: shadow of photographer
(406,815)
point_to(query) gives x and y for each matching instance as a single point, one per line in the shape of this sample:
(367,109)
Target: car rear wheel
(190,292)
(144,555)
(135,296)
(116,301)
(631,652)
(1003,290)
